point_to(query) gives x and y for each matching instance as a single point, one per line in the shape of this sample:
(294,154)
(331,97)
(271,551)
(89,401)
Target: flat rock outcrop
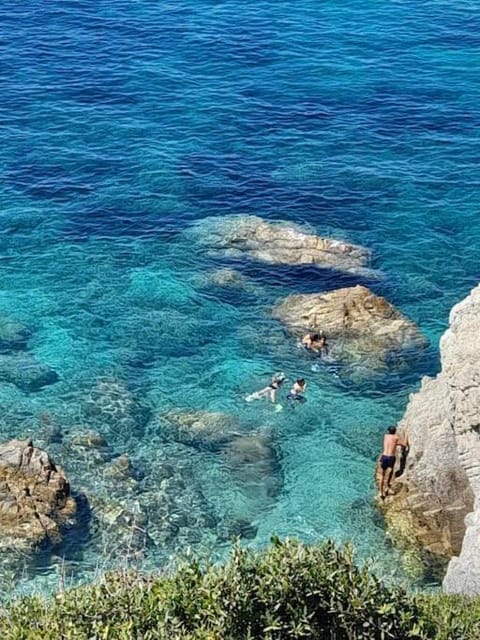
(359,325)
(278,243)
(436,500)
(35,500)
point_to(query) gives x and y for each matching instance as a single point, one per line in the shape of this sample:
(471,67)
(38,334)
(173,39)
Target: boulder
(25,372)
(35,500)
(436,497)
(360,326)
(279,243)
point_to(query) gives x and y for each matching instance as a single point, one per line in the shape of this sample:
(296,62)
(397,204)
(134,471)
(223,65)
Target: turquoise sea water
(122,124)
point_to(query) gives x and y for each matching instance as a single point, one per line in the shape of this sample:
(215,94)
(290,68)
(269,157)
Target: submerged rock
(25,372)
(164,510)
(278,243)
(113,409)
(440,483)
(13,335)
(119,468)
(254,462)
(237,528)
(226,277)
(87,439)
(35,500)
(202,429)
(360,326)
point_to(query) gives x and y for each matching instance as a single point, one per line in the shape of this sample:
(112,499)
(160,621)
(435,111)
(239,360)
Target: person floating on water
(387,460)
(270,391)
(296,393)
(316,342)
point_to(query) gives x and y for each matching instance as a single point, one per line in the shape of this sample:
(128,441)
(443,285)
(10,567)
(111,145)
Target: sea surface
(122,125)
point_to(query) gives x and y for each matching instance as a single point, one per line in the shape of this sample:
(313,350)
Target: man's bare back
(390,443)
(387,460)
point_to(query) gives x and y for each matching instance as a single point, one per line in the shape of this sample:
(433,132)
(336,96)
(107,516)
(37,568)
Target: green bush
(286,592)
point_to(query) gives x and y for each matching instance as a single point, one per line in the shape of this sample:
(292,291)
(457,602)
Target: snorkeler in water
(296,393)
(316,342)
(270,391)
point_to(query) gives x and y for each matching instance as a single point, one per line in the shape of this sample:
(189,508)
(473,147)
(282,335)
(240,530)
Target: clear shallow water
(122,124)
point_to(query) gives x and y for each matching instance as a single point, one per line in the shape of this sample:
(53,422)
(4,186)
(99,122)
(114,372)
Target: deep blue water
(123,123)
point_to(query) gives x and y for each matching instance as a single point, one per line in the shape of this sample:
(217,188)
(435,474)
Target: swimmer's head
(392,430)
(301,381)
(314,337)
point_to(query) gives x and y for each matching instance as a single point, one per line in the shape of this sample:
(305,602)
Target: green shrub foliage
(287,592)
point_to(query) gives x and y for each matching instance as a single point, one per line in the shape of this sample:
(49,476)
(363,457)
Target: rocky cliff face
(436,500)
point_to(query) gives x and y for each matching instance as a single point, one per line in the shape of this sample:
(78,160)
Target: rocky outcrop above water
(436,500)
(278,243)
(35,500)
(360,326)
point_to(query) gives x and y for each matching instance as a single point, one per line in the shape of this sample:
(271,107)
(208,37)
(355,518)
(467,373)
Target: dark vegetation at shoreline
(288,591)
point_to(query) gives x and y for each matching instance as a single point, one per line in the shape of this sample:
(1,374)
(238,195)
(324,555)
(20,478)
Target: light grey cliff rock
(435,502)
(460,348)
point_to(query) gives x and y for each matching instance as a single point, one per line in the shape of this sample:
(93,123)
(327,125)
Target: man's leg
(382,481)
(390,474)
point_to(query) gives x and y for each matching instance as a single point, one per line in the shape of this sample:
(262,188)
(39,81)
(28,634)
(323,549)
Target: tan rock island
(360,326)
(436,500)
(35,500)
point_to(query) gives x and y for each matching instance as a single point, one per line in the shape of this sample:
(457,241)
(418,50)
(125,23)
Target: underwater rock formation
(254,462)
(202,429)
(278,243)
(25,372)
(148,503)
(112,409)
(360,326)
(441,481)
(143,500)
(13,335)
(225,277)
(35,500)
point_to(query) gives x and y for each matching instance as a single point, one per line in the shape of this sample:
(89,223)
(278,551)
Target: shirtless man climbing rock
(387,460)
